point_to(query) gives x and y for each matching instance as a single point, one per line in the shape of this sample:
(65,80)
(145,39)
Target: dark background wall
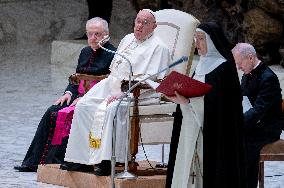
(259,22)
(28,22)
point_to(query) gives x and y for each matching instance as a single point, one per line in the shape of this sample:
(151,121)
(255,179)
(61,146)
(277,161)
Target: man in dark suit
(262,95)
(92,60)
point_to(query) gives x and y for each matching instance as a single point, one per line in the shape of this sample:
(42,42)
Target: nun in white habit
(201,136)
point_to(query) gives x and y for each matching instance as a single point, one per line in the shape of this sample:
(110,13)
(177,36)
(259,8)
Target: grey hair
(98,20)
(244,49)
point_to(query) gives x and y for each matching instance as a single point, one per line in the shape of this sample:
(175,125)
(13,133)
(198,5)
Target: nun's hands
(178,99)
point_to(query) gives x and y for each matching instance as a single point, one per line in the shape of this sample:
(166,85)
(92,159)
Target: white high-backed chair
(153,123)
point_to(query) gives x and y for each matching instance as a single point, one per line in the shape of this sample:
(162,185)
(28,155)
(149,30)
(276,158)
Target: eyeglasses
(142,22)
(196,37)
(94,34)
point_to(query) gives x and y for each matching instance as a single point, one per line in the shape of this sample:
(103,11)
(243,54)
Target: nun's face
(200,42)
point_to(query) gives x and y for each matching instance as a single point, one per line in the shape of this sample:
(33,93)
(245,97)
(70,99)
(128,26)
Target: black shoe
(24,168)
(118,164)
(103,169)
(161,165)
(76,167)
(102,172)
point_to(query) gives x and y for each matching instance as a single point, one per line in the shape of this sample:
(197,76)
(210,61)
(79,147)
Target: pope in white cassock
(90,140)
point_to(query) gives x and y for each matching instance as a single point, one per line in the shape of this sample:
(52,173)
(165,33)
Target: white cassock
(93,119)
(188,170)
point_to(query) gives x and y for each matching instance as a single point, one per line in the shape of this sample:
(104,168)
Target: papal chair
(151,123)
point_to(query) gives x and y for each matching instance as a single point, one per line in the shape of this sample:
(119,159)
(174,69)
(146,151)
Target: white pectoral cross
(126,52)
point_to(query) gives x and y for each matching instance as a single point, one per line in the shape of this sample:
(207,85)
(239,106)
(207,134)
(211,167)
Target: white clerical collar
(211,60)
(256,64)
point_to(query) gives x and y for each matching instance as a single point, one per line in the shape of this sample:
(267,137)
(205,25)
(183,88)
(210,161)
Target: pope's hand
(178,99)
(114,97)
(75,101)
(62,99)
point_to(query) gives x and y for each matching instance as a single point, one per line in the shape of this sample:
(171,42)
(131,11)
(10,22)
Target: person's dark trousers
(56,153)
(41,143)
(253,147)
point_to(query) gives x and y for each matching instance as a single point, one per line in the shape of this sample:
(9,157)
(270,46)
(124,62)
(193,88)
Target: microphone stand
(125,174)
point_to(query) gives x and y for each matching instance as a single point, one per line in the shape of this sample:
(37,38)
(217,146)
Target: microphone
(182,59)
(107,38)
(104,40)
(177,62)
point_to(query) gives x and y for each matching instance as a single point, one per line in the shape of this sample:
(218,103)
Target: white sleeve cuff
(69,92)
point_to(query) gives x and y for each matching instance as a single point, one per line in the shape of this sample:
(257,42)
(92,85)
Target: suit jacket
(262,88)
(94,63)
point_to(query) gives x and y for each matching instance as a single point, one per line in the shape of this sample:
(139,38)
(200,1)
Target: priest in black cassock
(262,103)
(92,60)
(207,147)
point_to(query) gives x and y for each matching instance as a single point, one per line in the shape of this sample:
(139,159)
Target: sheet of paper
(246,104)
(152,84)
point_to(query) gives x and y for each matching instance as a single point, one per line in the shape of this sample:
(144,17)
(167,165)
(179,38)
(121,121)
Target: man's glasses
(142,22)
(94,34)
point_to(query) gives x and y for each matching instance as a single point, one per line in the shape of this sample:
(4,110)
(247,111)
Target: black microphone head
(184,58)
(104,40)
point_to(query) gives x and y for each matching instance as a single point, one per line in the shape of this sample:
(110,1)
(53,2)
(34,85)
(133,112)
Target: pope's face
(200,42)
(245,64)
(95,33)
(144,25)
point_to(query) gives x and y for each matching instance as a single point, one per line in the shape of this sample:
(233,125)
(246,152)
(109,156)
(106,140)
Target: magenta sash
(63,125)
(65,115)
